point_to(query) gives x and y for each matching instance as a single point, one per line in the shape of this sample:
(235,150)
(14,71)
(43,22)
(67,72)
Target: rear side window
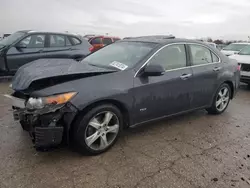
(57,41)
(68,43)
(96,41)
(75,40)
(171,57)
(215,58)
(200,55)
(106,41)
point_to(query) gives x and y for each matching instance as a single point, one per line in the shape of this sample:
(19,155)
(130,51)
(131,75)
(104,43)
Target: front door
(32,49)
(158,96)
(206,67)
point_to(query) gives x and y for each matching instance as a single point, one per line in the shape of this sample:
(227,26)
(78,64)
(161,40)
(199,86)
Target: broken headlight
(41,102)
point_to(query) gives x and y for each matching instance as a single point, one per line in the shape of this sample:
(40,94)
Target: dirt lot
(192,150)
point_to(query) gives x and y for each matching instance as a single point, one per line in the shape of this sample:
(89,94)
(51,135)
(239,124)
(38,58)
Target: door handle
(217,69)
(185,76)
(40,51)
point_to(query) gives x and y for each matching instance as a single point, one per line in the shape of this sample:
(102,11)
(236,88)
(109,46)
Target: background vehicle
(212,44)
(25,46)
(233,48)
(100,41)
(243,58)
(6,35)
(126,83)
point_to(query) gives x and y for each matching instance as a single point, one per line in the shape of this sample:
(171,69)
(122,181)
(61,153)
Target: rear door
(206,67)
(33,49)
(59,46)
(157,96)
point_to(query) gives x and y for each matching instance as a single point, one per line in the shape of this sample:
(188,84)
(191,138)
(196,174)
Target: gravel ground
(192,150)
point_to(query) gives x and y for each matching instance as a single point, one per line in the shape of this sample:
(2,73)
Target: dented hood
(49,68)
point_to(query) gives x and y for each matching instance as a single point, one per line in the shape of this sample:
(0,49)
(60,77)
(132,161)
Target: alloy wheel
(222,99)
(102,130)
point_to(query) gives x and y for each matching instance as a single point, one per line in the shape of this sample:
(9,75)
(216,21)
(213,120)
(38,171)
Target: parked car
(243,58)
(6,35)
(233,48)
(25,46)
(124,84)
(99,42)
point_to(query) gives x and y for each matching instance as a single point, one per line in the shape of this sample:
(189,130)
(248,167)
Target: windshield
(245,51)
(235,47)
(120,55)
(12,38)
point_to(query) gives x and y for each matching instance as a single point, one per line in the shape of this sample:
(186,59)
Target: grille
(245,67)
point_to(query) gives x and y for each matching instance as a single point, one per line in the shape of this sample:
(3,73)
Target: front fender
(83,100)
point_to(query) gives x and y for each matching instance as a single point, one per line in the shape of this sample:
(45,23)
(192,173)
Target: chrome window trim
(179,43)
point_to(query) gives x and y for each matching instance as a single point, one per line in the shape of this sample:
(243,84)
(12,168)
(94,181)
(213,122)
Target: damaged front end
(47,119)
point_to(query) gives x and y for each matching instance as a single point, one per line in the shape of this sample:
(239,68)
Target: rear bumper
(47,128)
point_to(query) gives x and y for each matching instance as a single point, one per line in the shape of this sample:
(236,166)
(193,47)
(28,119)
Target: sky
(225,19)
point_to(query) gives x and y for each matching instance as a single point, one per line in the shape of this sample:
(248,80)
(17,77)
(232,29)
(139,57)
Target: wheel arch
(231,85)
(121,106)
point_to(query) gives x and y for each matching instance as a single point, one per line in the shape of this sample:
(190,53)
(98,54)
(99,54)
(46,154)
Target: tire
(215,109)
(94,125)
(24,125)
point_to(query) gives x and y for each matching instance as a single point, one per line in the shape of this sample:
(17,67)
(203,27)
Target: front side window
(57,41)
(75,41)
(200,55)
(106,41)
(171,57)
(34,41)
(127,54)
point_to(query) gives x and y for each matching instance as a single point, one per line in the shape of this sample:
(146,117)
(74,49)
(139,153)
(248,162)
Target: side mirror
(153,70)
(236,52)
(21,45)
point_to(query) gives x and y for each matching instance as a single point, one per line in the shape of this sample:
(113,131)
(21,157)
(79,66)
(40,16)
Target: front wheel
(221,100)
(98,129)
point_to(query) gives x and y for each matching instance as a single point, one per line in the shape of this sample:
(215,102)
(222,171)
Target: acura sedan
(127,83)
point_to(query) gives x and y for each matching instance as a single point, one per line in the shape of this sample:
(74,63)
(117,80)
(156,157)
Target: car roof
(48,32)
(247,43)
(160,39)
(103,36)
(210,42)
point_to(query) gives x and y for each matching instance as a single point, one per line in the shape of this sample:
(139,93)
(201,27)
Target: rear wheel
(98,130)
(221,100)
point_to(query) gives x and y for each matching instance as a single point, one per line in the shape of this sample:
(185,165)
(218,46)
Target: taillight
(239,67)
(91,48)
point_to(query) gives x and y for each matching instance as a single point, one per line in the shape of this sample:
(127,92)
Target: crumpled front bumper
(49,126)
